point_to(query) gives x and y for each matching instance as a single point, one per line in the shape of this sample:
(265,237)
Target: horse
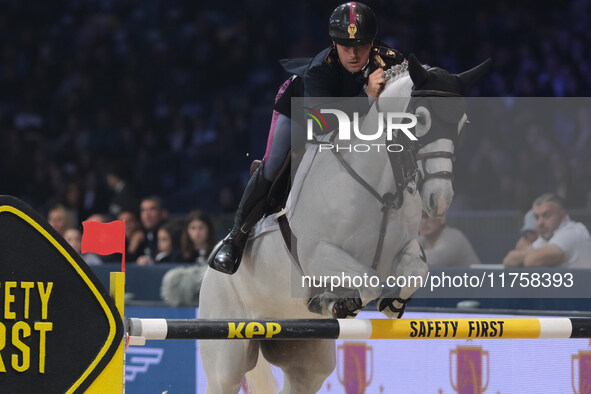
(346,204)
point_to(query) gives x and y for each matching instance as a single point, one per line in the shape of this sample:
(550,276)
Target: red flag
(104,238)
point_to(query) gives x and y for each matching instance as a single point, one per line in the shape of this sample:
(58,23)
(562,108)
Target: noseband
(425,176)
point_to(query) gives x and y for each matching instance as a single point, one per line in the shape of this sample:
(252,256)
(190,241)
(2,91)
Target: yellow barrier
(112,378)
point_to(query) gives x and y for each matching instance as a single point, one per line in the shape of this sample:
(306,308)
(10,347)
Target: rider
(352,67)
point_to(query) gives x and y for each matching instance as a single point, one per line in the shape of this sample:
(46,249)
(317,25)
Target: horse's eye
(463,121)
(423,121)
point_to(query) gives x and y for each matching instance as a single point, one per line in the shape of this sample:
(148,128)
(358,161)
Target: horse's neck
(394,98)
(396,94)
(368,156)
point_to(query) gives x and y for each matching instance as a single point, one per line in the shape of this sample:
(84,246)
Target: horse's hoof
(392,311)
(346,307)
(314,304)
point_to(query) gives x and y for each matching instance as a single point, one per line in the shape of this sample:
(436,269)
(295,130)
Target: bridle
(433,135)
(425,176)
(393,201)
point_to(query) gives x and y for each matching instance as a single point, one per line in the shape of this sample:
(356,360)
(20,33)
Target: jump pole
(502,328)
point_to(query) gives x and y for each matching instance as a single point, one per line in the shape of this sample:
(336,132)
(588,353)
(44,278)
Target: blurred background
(176,96)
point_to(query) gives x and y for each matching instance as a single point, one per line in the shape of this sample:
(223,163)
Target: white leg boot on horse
(411,264)
(309,363)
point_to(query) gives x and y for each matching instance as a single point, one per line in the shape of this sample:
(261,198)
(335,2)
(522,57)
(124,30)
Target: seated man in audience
(561,242)
(528,235)
(445,246)
(153,215)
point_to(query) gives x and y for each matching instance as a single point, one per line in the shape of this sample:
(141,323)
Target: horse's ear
(468,78)
(417,73)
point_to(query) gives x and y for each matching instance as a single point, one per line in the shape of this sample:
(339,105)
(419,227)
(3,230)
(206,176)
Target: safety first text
(24,326)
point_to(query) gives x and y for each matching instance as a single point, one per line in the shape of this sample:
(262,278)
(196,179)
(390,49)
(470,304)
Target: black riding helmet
(352,24)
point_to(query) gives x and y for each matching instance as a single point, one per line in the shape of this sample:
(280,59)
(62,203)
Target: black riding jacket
(325,76)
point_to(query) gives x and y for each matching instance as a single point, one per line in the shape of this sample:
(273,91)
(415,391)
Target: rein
(395,200)
(388,200)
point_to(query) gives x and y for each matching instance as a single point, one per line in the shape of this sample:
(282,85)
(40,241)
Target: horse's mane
(393,75)
(396,72)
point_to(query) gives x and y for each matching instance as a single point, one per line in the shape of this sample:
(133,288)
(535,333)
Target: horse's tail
(260,379)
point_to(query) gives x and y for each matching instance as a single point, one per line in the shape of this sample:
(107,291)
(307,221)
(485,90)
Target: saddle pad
(269,223)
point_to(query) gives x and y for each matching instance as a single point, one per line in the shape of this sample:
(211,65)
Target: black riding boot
(227,257)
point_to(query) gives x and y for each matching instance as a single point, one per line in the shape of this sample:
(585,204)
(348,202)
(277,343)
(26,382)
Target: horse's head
(437,102)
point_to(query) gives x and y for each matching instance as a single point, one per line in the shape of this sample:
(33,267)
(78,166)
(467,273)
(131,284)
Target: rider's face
(354,58)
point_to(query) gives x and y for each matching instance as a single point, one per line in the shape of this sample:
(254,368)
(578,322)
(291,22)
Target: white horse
(339,223)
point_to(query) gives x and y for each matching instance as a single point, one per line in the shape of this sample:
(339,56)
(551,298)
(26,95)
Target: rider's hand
(375,83)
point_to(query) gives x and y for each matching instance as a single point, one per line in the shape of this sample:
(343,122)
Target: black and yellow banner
(58,328)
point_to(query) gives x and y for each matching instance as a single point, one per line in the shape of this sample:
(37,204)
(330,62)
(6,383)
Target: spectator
(168,245)
(445,246)
(198,237)
(71,200)
(98,217)
(120,94)
(528,231)
(73,236)
(528,235)
(134,236)
(60,219)
(227,200)
(124,197)
(561,242)
(153,215)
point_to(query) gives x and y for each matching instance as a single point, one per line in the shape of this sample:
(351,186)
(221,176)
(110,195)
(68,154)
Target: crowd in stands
(150,237)
(178,94)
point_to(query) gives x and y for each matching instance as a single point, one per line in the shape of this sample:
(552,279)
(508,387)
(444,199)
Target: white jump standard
(359,328)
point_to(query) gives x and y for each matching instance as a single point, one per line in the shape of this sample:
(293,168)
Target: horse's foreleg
(410,264)
(337,271)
